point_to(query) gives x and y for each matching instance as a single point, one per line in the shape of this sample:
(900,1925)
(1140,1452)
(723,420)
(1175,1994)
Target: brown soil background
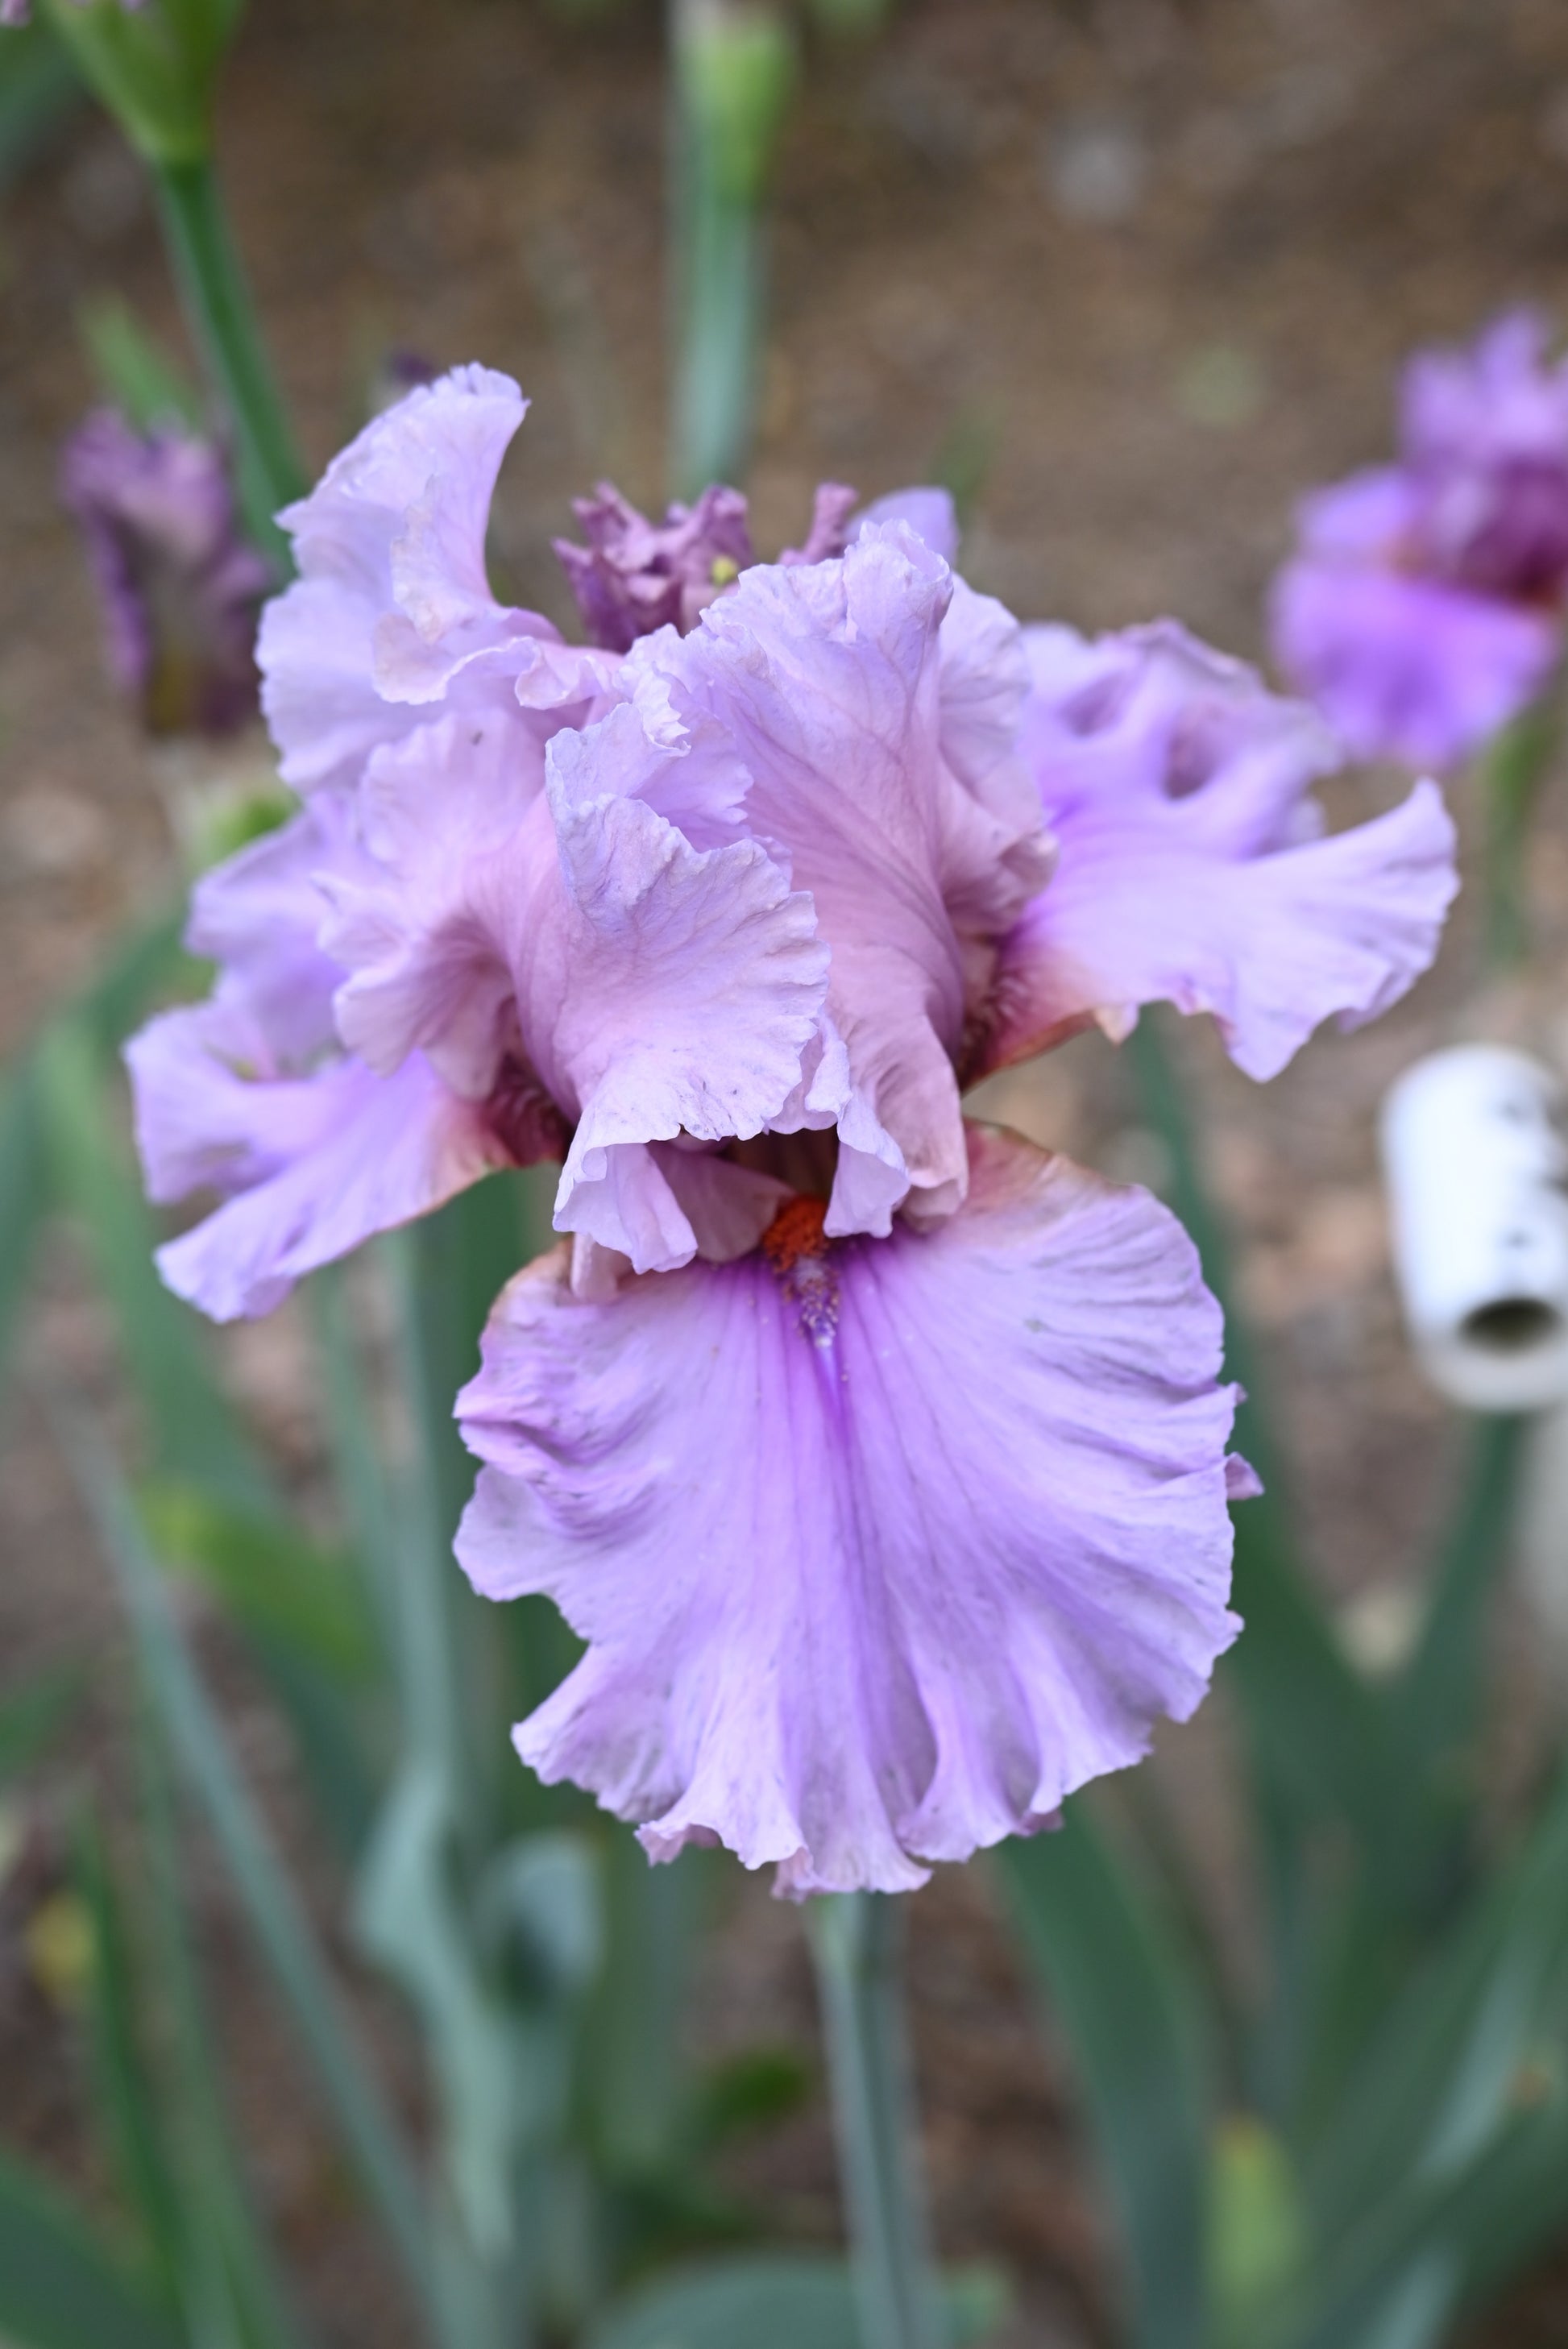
(1161,261)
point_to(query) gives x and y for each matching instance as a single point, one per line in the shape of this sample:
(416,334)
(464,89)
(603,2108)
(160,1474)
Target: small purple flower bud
(179,588)
(635,576)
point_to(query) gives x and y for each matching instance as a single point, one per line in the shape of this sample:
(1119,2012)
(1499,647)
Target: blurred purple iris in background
(880,1457)
(180,589)
(1425,605)
(20,12)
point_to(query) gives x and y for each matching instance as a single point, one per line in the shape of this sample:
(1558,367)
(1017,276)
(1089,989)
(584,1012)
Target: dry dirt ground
(1148,265)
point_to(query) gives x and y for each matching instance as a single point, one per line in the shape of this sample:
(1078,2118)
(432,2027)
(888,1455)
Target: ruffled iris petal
(872,706)
(315,1164)
(250,1095)
(1177,791)
(692,979)
(879,1555)
(392,608)
(426,924)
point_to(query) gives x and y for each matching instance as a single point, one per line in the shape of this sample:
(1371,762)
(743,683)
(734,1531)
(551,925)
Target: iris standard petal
(690,984)
(427,924)
(837,688)
(392,607)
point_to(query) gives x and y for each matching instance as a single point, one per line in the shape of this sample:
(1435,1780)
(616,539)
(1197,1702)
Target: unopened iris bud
(180,587)
(152,63)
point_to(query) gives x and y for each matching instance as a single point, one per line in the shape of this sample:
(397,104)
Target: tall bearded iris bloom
(880,1458)
(1426,604)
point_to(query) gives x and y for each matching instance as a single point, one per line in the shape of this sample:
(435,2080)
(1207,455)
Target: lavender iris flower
(180,587)
(1425,607)
(880,1458)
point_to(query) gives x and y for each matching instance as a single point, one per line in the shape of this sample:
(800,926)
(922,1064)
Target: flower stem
(732,72)
(222,319)
(855,1938)
(1511,771)
(714,394)
(1164,1098)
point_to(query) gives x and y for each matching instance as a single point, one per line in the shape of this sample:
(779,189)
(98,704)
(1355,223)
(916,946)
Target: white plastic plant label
(1476,1164)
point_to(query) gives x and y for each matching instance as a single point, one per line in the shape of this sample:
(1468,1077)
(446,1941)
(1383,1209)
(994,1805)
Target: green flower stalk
(1510,773)
(155,70)
(855,1937)
(733,71)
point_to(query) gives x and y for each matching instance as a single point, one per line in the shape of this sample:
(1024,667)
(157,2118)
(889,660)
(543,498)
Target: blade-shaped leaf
(31,1718)
(23,1194)
(150,963)
(39,88)
(497,2082)
(1308,1713)
(270,1576)
(126,2104)
(540,1913)
(139,375)
(1438,2079)
(447,1272)
(59,2289)
(1435,1698)
(1443,2239)
(192,1434)
(363,1483)
(330,1738)
(632,2038)
(105,1010)
(452,1267)
(281,1928)
(1116,1985)
(1512,2207)
(776,2303)
(226,2257)
(1328,1786)
(1435,1704)
(197,1444)
(1257,2236)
